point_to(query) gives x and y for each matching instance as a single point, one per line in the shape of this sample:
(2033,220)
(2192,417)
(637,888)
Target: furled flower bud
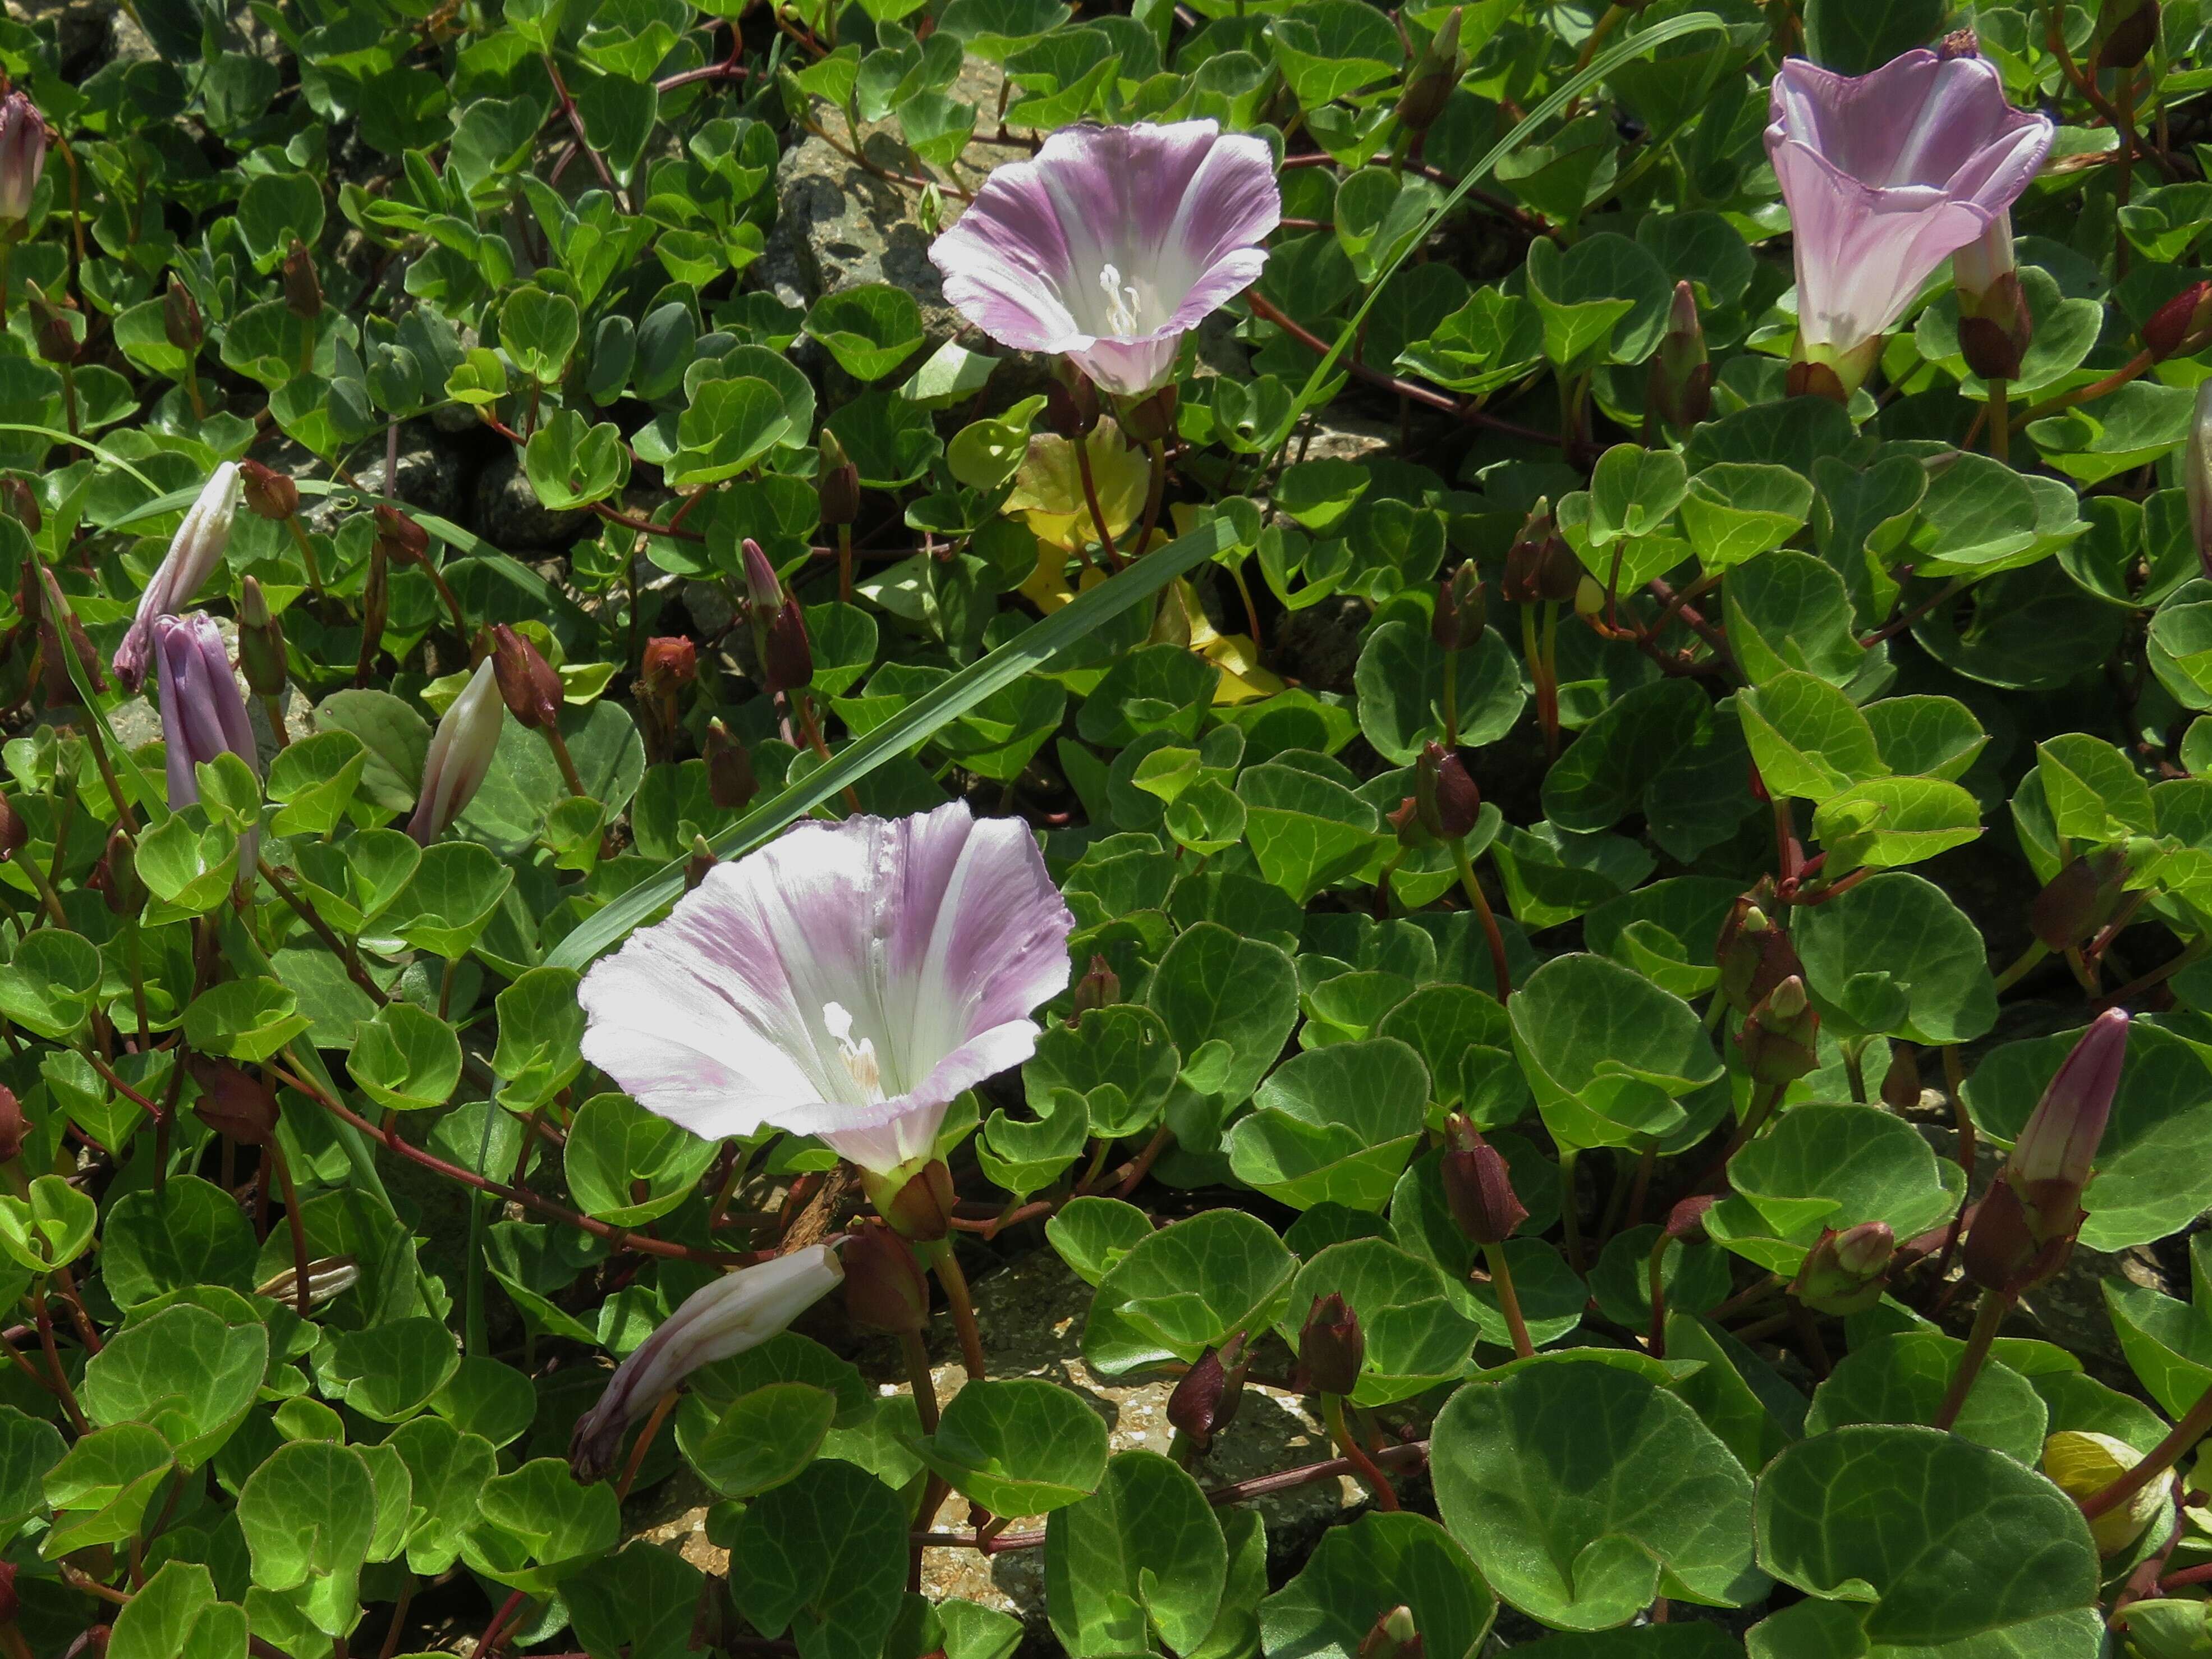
(180,318)
(701,859)
(1459,616)
(260,641)
(918,1207)
(1151,418)
(528,684)
(2001,1252)
(2181,327)
(1687,1220)
(1331,1348)
(2081,898)
(1434,77)
(1205,1402)
(22,155)
(1780,1038)
(402,540)
(730,781)
(1995,328)
(57,615)
(1445,792)
(21,502)
(787,659)
(669,663)
(1072,410)
(764,592)
(203,715)
(2126,31)
(1679,391)
(729,1315)
(194,552)
(1900,1080)
(233,1103)
(117,877)
(460,756)
(1098,987)
(1393,1635)
(269,493)
(375,601)
(836,480)
(303,288)
(55,327)
(1478,1185)
(884,1287)
(15,834)
(1846,1272)
(14,1127)
(2082,1463)
(1540,565)
(1754,956)
(2051,1162)
(2196,476)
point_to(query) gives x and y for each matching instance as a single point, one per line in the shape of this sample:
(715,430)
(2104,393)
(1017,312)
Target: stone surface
(1031,1315)
(432,476)
(1319,646)
(509,513)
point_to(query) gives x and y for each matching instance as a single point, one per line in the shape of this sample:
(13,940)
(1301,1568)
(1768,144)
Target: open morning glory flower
(1888,175)
(1113,243)
(845,981)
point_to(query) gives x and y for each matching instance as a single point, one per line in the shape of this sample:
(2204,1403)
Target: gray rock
(1337,436)
(432,476)
(509,515)
(1319,646)
(82,29)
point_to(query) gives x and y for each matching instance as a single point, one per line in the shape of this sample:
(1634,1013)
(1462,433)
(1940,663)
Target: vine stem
(1090,500)
(1371,1474)
(1495,938)
(1995,1306)
(2161,1457)
(661,1411)
(1508,1300)
(949,1274)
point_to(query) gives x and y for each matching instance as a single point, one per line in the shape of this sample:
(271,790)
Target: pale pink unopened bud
(194,552)
(460,756)
(2051,1160)
(202,713)
(23,154)
(763,592)
(2197,476)
(737,1311)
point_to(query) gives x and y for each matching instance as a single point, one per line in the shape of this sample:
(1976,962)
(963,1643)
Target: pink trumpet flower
(1887,175)
(845,981)
(1112,244)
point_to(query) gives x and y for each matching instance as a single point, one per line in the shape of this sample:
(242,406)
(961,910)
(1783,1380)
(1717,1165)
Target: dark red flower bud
(2126,31)
(232,1103)
(730,780)
(1205,1400)
(836,480)
(1331,1348)
(403,541)
(701,861)
(921,1209)
(180,318)
(56,616)
(269,493)
(669,663)
(787,659)
(1072,410)
(260,641)
(1687,1220)
(303,288)
(92,1644)
(14,832)
(14,1127)
(1459,613)
(1845,1273)
(1753,954)
(1448,801)
(1900,1081)
(9,1603)
(2182,326)
(21,502)
(528,684)
(1434,77)
(1680,389)
(1151,418)
(116,877)
(56,327)
(1780,1038)
(1393,1636)
(1097,988)
(1540,565)
(2001,1252)
(884,1286)
(1478,1185)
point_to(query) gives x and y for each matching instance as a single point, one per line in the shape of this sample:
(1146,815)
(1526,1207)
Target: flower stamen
(859,1057)
(1122,300)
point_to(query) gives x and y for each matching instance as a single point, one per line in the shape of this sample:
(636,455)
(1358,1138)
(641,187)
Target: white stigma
(1121,300)
(859,1057)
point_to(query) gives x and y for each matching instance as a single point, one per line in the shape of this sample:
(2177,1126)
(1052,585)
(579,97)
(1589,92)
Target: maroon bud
(1331,1348)
(1540,565)
(21,502)
(1780,1038)
(1072,410)
(92,1644)
(401,538)
(701,861)
(921,1209)
(1900,1083)
(1459,616)
(2182,326)
(116,877)
(1804,380)
(14,832)
(2080,899)
(1846,1273)
(1448,801)
(1680,389)
(1754,955)
(836,480)
(232,1103)
(1478,1185)
(528,684)
(1152,419)
(1205,1402)
(303,289)
(54,326)
(2056,1154)
(2126,31)
(885,1288)
(669,663)
(269,493)
(787,659)
(1393,1635)
(14,1127)
(730,781)
(1097,988)
(180,318)
(1687,1220)
(2001,1252)
(57,614)
(1433,78)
